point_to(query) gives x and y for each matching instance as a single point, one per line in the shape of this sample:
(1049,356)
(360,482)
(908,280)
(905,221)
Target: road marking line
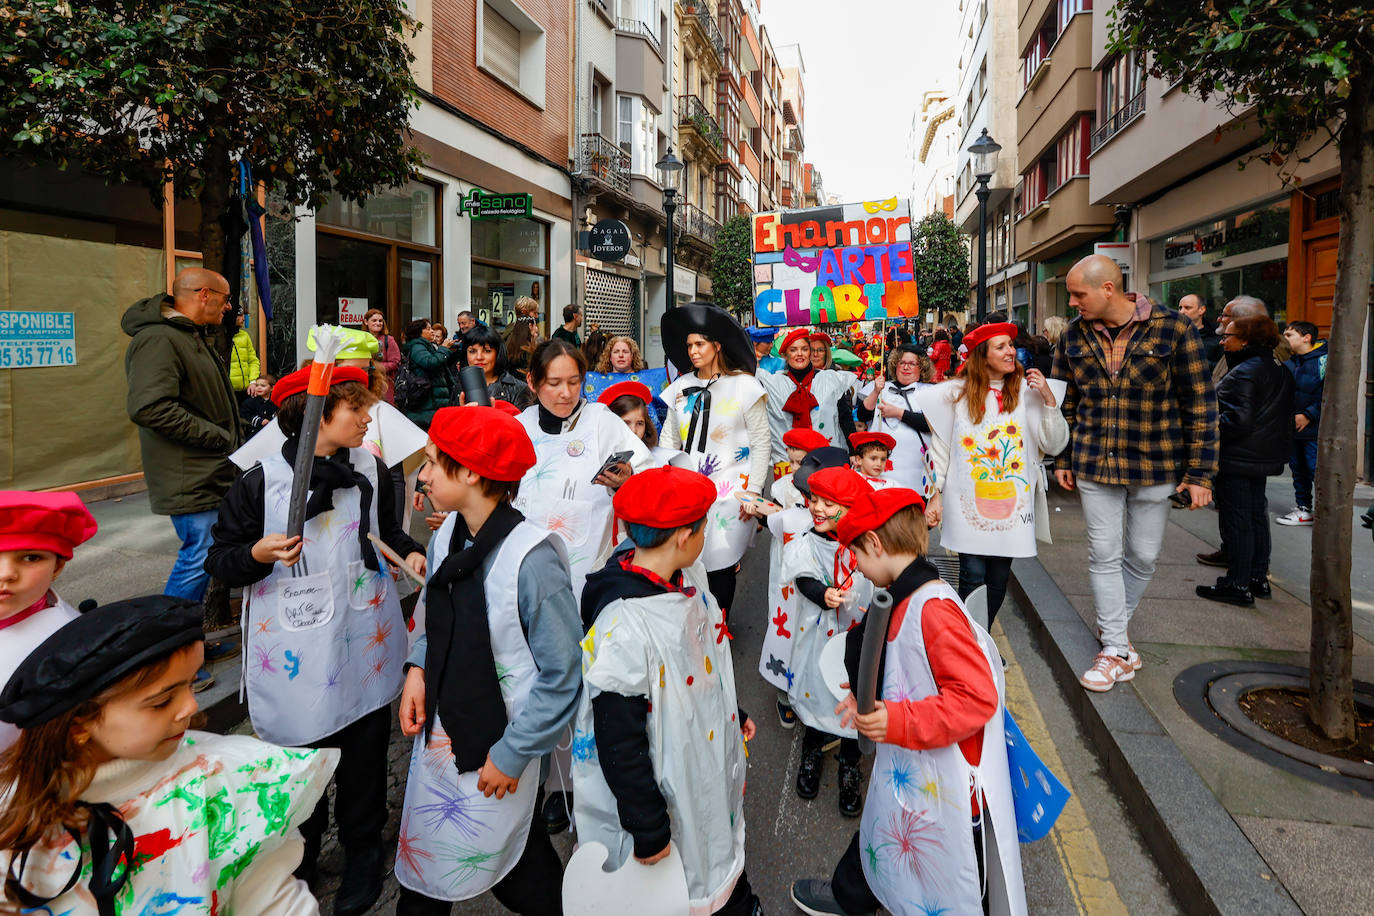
(788,810)
(1084,866)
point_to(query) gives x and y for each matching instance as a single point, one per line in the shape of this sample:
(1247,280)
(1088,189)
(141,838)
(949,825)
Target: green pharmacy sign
(482,205)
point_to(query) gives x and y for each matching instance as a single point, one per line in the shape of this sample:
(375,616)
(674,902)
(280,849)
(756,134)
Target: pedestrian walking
(572,320)
(940,354)
(388,356)
(1194,309)
(524,336)
(1255,421)
(243,359)
(425,383)
(487,351)
(257,410)
(1308,368)
(1143,425)
(717,415)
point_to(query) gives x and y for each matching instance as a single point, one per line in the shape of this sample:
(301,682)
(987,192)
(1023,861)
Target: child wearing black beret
(113,806)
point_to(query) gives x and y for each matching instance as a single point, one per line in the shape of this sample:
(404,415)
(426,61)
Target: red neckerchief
(40,605)
(627,565)
(801,401)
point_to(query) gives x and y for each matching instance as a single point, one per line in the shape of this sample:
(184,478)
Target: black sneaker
(361,884)
(814,896)
(555,814)
(787,716)
(851,789)
(1226,592)
(1215,558)
(809,773)
(1260,588)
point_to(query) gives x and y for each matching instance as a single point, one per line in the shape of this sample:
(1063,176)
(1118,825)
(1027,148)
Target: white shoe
(1132,655)
(1108,670)
(1299,516)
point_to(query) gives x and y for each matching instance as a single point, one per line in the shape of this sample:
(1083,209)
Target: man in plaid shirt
(1143,424)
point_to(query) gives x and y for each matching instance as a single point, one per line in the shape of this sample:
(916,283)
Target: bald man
(181,400)
(1194,309)
(1143,425)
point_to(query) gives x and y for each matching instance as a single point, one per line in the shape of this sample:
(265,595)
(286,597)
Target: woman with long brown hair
(992,427)
(523,340)
(388,358)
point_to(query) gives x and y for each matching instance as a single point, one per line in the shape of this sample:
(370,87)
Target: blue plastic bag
(1037,795)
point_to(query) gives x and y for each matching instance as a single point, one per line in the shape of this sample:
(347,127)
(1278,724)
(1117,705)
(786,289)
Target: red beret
(634,389)
(822,337)
(838,485)
(485,440)
(665,497)
(876,507)
(792,337)
(44,521)
(299,380)
(988,331)
(505,407)
(859,440)
(804,439)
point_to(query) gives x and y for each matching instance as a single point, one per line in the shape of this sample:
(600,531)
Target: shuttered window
(610,303)
(500,45)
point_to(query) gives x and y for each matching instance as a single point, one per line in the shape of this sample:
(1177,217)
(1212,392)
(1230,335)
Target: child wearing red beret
(324,637)
(938,727)
(657,750)
(871,454)
(38,533)
(833,596)
(492,683)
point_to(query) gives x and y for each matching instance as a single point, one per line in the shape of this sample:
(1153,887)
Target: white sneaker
(1107,671)
(1299,516)
(1132,655)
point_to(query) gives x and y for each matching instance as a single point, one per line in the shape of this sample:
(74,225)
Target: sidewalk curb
(1205,857)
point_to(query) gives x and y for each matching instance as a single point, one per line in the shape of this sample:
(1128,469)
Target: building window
(1039,50)
(1121,95)
(384,254)
(1071,8)
(637,133)
(510,259)
(510,48)
(1071,151)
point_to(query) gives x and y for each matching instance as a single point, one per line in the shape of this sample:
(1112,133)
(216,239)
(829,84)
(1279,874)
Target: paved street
(1093,862)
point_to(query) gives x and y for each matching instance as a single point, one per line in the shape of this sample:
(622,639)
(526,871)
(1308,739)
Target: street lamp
(669,169)
(984,151)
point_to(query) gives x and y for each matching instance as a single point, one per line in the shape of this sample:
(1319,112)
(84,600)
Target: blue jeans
(189,578)
(1303,461)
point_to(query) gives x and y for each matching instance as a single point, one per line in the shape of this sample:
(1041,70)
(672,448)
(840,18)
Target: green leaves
(732,270)
(941,261)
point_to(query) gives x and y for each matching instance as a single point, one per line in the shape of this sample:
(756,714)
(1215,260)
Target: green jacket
(180,399)
(243,361)
(436,364)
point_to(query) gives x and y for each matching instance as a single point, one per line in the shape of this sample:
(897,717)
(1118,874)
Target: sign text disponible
(33,340)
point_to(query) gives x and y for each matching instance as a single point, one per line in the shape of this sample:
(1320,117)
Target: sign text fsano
(850,262)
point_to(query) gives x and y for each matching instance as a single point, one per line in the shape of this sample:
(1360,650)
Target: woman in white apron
(563,492)
(890,407)
(800,395)
(717,414)
(992,428)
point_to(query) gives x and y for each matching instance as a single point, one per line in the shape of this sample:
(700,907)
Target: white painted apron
(786,494)
(19,639)
(910,458)
(916,836)
(724,457)
(811,554)
(324,640)
(775,658)
(454,843)
(827,386)
(670,648)
(557,494)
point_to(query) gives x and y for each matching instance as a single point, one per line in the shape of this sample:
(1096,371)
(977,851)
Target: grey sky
(867,62)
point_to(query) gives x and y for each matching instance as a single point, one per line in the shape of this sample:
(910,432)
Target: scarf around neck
(460,670)
(801,401)
(332,473)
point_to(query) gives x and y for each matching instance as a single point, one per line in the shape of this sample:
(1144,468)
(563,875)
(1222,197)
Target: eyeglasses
(218,292)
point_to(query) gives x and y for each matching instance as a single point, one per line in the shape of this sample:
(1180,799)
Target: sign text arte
(849,262)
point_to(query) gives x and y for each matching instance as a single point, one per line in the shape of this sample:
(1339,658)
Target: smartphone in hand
(613,460)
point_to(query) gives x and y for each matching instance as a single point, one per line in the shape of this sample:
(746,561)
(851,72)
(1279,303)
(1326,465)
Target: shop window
(382,254)
(511,48)
(510,259)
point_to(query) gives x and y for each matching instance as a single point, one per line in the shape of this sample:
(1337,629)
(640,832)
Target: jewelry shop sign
(34,340)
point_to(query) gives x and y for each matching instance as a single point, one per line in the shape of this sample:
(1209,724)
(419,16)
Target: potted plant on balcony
(599,161)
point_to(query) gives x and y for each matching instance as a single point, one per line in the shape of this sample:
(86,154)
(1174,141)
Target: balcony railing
(692,113)
(692,220)
(1123,116)
(794,140)
(636,27)
(701,12)
(603,161)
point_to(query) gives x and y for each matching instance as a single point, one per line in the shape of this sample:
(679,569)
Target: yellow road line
(1075,844)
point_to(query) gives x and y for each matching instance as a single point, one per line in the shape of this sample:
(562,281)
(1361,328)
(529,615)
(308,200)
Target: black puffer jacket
(1255,414)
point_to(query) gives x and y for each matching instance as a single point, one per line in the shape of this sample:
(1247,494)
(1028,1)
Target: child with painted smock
(658,750)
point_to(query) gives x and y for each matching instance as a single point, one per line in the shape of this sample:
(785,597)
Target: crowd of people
(568,660)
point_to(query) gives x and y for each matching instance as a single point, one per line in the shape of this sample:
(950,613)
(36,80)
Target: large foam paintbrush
(329,340)
(871,654)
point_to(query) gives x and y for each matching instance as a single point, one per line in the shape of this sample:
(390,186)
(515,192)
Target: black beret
(93,652)
(817,459)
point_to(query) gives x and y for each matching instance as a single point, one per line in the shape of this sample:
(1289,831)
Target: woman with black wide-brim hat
(717,415)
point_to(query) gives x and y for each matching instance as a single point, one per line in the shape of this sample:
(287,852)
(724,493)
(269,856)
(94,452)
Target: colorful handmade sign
(848,262)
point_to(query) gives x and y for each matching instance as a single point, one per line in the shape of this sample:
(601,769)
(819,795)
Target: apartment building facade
(792,161)
(985,97)
(932,150)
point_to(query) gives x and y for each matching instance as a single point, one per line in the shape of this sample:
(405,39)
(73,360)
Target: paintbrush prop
(329,340)
(870,654)
(395,558)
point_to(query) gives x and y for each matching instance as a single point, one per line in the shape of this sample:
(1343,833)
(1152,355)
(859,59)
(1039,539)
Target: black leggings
(534,887)
(359,785)
(722,585)
(994,572)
